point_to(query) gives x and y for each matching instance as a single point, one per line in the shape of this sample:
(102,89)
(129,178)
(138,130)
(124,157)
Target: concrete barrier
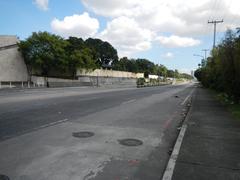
(85,81)
(109,81)
(108,73)
(12,65)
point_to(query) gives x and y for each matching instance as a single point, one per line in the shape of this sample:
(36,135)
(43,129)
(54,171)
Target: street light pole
(199,56)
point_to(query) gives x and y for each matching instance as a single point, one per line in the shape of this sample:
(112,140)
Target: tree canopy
(222,70)
(105,53)
(47,55)
(125,64)
(43,52)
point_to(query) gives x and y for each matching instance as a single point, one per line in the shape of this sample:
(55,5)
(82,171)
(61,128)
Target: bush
(221,71)
(140,81)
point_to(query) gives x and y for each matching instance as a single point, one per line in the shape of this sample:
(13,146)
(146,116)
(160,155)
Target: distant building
(12,65)
(150,76)
(192,73)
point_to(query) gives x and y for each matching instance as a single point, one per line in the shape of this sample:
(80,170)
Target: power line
(211,10)
(215,22)
(218,7)
(227,10)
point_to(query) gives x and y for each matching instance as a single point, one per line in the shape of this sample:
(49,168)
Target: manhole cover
(83,134)
(3,177)
(130,142)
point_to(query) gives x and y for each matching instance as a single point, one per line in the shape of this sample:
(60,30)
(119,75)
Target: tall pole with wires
(205,51)
(214,32)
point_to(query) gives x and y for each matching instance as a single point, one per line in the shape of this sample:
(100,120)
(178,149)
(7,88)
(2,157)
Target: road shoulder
(210,149)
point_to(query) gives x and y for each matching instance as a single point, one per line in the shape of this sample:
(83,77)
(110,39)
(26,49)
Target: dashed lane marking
(130,101)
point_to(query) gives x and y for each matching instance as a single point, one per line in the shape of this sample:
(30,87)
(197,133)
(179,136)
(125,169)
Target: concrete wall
(57,82)
(109,73)
(12,66)
(109,78)
(109,81)
(85,81)
(6,40)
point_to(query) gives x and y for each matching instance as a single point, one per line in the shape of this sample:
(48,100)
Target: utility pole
(214,33)
(205,50)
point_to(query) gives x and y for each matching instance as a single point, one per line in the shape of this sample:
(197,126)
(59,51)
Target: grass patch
(233,108)
(180,80)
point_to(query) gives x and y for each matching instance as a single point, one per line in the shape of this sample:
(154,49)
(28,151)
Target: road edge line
(185,100)
(173,158)
(168,173)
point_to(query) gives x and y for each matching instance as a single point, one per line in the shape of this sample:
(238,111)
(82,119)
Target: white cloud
(76,25)
(179,17)
(168,55)
(176,41)
(42,4)
(135,24)
(126,35)
(110,8)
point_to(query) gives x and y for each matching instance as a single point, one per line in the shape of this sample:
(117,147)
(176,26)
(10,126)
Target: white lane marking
(172,161)
(36,129)
(51,124)
(185,100)
(126,102)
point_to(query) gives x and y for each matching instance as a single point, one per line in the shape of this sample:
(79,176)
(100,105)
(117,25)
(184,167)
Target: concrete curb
(168,173)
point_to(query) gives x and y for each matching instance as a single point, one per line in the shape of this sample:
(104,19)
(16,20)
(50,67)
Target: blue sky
(168,33)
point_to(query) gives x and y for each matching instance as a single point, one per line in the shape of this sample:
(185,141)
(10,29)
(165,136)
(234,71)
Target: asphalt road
(36,128)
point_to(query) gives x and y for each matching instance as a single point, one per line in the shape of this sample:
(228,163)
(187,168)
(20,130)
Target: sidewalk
(211,146)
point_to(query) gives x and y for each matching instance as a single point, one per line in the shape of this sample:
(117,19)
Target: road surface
(38,130)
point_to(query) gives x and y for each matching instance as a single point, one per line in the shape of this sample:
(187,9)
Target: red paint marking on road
(133,162)
(167,123)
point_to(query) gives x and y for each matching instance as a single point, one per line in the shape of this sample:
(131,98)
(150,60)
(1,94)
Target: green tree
(80,59)
(75,44)
(24,47)
(170,73)
(79,56)
(43,52)
(222,70)
(176,74)
(104,53)
(145,66)
(125,64)
(162,71)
